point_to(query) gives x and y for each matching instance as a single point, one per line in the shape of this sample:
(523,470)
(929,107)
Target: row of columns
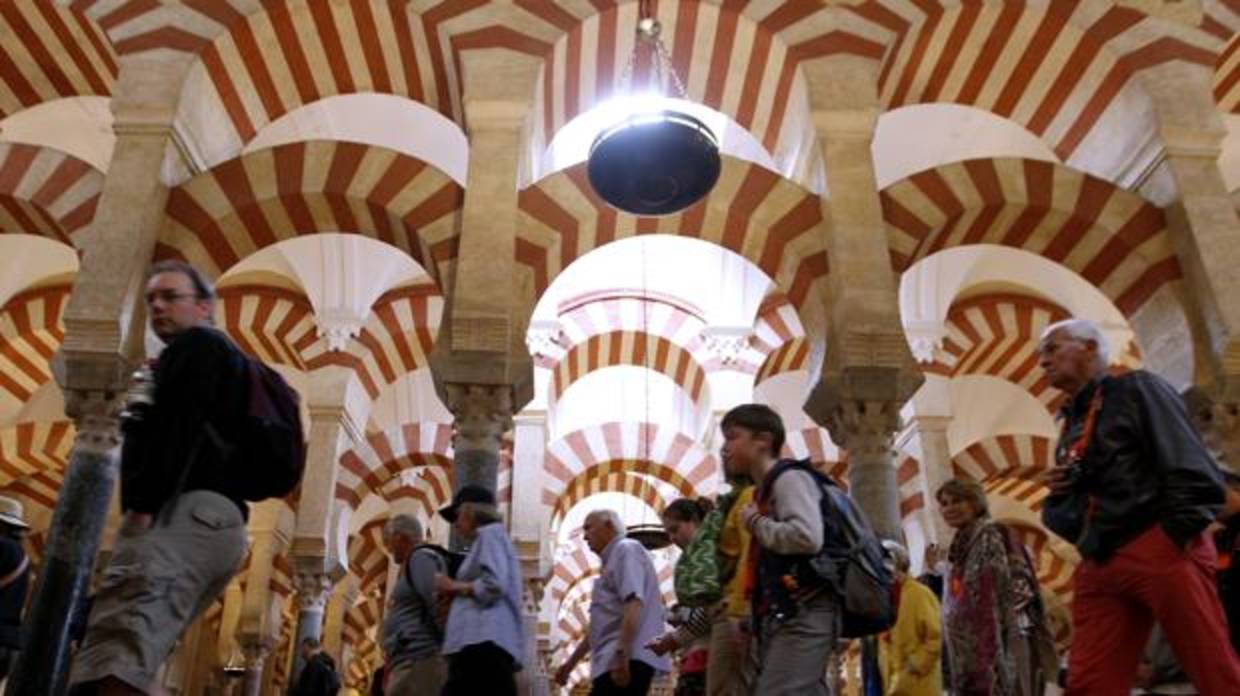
(864,375)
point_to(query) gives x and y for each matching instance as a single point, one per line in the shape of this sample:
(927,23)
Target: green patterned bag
(700,577)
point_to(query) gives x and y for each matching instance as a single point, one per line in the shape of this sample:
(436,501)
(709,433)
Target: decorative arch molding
(418,451)
(1227,76)
(753,212)
(997,334)
(1010,465)
(279,57)
(278,326)
(620,477)
(1054,570)
(260,198)
(31,330)
(792,356)
(367,559)
(32,447)
(1114,239)
(635,348)
(46,192)
(643,448)
(958,52)
(49,52)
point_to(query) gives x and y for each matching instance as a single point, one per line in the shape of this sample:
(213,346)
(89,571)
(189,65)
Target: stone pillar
(313,589)
(482,369)
(73,539)
(103,336)
(1201,217)
(867,430)
(256,652)
(338,606)
(534,679)
(867,372)
(1218,420)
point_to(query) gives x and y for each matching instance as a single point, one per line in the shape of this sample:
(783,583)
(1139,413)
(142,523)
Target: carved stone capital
(1218,420)
(866,429)
(313,590)
(96,415)
(483,413)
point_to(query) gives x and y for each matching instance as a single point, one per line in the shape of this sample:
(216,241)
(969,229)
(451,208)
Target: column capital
(313,589)
(1218,420)
(865,428)
(483,413)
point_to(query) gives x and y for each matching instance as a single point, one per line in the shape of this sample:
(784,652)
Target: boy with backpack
(816,565)
(206,430)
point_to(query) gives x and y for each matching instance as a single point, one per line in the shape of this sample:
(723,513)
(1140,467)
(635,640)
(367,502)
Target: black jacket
(318,677)
(1145,465)
(199,379)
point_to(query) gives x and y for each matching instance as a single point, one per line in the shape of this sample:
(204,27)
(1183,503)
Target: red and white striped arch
(752,211)
(1054,571)
(572,584)
(615,477)
(359,630)
(651,351)
(1056,67)
(1010,465)
(776,324)
(46,192)
(643,311)
(416,455)
(815,445)
(285,55)
(997,334)
(49,52)
(33,457)
(367,558)
(278,326)
(31,330)
(789,357)
(1227,77)
(641,448)
(261,198)
(908,478)
(1113,238)
(1220,18)
(741,59)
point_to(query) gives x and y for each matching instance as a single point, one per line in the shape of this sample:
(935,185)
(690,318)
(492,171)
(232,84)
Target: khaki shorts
(158,581)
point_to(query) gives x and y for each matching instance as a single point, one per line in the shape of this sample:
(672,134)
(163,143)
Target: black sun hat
(468,494)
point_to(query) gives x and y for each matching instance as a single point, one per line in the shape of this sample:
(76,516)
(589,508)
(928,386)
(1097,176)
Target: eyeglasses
(167,296)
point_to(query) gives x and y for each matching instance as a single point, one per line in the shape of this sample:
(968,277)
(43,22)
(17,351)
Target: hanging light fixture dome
(655,161)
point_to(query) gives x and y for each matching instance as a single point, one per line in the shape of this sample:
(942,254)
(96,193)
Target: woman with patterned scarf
(997,638)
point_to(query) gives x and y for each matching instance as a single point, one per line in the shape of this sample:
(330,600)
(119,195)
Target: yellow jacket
(909,652)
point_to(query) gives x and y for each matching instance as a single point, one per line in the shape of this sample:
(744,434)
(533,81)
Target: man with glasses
(183,535)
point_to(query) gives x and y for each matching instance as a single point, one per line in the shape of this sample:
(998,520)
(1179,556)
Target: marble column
(313,590)
(867,430)
(256,653)
(73,538)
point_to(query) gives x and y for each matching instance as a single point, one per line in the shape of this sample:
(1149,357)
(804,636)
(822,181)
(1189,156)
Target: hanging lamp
(656,161)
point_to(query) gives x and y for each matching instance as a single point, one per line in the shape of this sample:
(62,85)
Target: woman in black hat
(484,639)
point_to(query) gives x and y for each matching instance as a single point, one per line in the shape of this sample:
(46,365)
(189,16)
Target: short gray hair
(899,556)
(405,525)
(1081,330)
(613,518)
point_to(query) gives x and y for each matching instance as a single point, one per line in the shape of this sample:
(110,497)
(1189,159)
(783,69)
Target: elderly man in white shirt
(626,613)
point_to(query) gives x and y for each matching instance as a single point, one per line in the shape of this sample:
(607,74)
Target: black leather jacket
(1145,464)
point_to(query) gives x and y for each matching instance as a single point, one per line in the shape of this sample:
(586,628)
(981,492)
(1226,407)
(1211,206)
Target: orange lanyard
(1076,451)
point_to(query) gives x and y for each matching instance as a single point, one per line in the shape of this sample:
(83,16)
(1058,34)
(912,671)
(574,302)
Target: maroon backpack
(270,446)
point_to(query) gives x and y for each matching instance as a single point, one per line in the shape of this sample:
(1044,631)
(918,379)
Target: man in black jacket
(318,677)
(183,534)
(1134,488)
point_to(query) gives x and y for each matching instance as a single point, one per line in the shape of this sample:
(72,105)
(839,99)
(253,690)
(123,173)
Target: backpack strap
(17,572)
(428,615)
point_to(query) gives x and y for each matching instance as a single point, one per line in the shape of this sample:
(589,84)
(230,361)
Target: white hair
(899,556)
(405,525)
(1081,330)
(613,518)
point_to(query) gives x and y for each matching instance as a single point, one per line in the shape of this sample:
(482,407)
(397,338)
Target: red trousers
(1116,603)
